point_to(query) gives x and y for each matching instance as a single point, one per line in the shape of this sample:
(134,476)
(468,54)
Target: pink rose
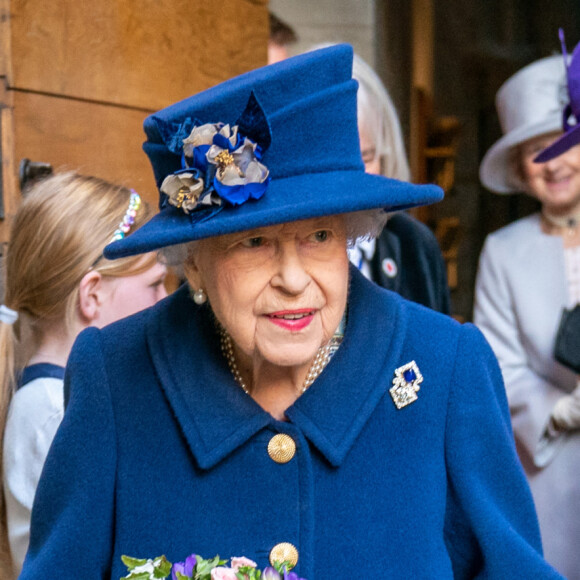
(240,561)
(222,573)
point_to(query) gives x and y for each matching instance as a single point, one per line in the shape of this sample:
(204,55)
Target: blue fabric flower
(239,175)
(219,163)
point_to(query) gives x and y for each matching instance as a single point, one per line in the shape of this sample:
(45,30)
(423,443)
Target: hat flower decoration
(571,112)
(221,164)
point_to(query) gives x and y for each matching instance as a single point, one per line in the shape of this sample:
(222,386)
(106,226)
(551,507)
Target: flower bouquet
(197,568)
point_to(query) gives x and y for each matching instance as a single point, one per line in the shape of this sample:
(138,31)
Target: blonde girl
(57,283)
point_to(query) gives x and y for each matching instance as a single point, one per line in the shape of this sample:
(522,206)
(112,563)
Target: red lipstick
(293,320)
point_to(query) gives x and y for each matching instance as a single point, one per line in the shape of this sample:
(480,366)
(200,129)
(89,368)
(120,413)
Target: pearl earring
(200,297)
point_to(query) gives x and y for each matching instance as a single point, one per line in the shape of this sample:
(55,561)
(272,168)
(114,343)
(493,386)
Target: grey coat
(520,293)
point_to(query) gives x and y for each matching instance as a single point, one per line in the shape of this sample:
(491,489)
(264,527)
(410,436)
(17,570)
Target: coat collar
(217,417)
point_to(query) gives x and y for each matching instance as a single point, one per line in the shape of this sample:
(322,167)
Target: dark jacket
(419,272)
(161,452)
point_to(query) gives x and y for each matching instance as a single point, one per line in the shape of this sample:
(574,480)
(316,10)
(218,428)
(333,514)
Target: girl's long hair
(57,236)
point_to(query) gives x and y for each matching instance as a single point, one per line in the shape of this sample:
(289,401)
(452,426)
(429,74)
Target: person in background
(406,257)
(281,406)
(58,283)
(282,35)
(529,271)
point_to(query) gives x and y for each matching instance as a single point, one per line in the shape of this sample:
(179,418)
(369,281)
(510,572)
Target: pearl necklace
(320,361)
(566,224)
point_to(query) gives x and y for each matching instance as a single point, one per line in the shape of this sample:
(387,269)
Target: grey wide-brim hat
(529,104)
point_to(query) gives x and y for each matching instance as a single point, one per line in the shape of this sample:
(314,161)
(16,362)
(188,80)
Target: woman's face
(279,291)
(556,183)
(127,295)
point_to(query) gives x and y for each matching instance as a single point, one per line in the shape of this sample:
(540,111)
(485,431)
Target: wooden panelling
(5,38)
(94,139)
(10,194)
(139,53)
(77,79)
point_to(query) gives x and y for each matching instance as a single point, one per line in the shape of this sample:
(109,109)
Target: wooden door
(78,78)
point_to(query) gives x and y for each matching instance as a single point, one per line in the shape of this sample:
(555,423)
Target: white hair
(364,225)
(378,118)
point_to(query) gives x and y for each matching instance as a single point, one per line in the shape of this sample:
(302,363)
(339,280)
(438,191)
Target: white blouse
(572,261)
(35,413)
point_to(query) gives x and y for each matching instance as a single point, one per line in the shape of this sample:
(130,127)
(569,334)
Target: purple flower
(271,574)
(184,568)
(291,576)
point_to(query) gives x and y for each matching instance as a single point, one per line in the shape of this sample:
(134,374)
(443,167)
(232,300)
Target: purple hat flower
(571,113)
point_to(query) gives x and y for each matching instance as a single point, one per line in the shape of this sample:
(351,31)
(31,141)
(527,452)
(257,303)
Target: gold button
(281,448)
(284,552)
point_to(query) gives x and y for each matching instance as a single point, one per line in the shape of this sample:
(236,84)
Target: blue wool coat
(161,452)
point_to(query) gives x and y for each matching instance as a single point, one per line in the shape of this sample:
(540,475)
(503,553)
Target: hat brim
(565,142)
(496,171)
(286,200)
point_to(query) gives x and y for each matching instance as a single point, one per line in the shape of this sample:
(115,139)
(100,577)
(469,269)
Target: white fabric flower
(242,168)
(183,190)
(204,134)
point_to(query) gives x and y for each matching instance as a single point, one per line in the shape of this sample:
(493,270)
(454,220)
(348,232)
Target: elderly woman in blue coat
(281,406)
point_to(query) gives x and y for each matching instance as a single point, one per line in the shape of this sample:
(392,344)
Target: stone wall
(330,21)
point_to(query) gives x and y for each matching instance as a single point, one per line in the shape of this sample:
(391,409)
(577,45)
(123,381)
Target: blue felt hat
(274,145)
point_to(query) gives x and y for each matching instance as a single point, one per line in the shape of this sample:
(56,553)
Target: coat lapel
(336,407)
(216,416)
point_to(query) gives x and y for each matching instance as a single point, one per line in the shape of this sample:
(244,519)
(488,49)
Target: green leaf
(162,567)
(132,562)
(281,565)
(202,569)
(248,573)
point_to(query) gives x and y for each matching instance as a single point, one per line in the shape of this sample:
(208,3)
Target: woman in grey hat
(528,272)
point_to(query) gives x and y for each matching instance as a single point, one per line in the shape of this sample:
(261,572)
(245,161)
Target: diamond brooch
(406,384)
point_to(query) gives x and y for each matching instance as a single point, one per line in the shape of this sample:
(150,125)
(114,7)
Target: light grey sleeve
(531,397)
